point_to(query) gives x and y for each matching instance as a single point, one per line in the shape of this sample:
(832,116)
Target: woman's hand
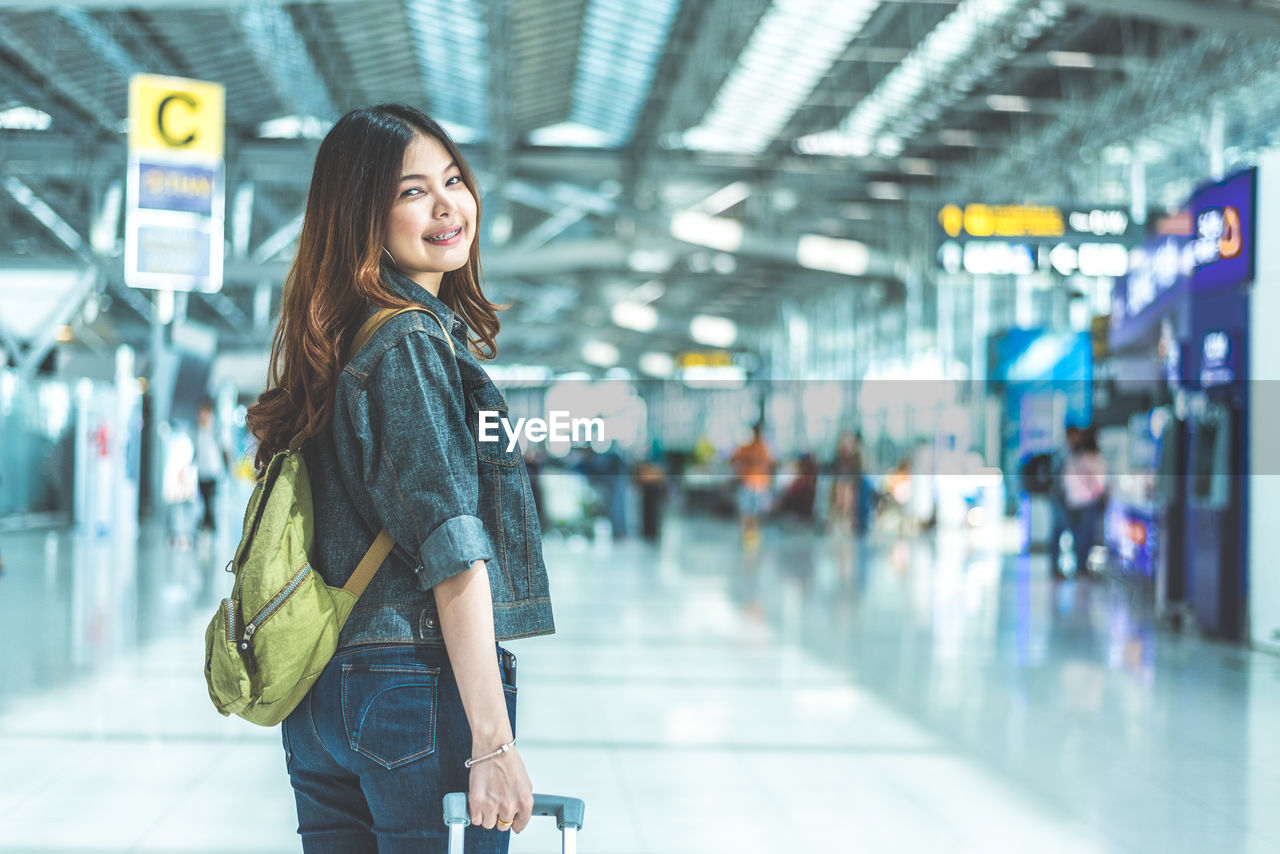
(500,789)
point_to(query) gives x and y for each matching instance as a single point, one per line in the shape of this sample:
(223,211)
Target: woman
(418,689)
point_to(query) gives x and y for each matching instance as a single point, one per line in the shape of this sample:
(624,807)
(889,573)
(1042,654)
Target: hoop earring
(389,255)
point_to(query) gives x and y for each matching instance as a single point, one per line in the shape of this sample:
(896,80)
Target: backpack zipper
(231,618)
(246,642)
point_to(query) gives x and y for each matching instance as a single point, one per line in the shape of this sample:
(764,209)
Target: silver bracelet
(502,748)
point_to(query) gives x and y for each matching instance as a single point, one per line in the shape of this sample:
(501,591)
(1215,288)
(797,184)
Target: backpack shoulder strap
(378,551)
(371,326)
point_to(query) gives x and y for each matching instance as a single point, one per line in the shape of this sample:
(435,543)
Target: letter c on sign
(176,142)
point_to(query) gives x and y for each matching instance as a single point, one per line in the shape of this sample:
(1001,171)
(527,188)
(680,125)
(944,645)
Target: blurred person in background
(754,465)
(1059,521)
(651,478)
(213,460)
(801,491)
(846,481)
(897,486)
(180,486)
(1084,483)
(606,471)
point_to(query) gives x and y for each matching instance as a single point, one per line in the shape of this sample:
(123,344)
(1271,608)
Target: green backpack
(272,637)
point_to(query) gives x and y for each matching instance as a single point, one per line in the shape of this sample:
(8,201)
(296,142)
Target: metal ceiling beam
(681,60)
(288,162)
(498,26)
(47,216)
(1213,17)
(48,336)
(328,62)
(1183,83)
(141,5)
(68,91)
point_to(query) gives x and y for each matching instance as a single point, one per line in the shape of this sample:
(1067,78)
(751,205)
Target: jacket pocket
(491,415)
(389,711)
(506,502)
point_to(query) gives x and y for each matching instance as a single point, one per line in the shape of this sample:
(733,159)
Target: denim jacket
(402,451)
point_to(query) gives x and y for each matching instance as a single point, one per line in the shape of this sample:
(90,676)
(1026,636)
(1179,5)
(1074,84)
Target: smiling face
(433,217)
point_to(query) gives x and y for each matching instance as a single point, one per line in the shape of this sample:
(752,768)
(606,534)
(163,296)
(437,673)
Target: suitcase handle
(568,811)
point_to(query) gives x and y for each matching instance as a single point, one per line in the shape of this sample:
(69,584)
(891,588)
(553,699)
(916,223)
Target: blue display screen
(1222,244)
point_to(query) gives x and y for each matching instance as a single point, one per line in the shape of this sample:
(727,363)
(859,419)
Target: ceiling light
(716,232)
(960,51)
(917,166)
(958,138)
(650,261)
(569,135)
(714,376)
(885,191)
(1071,59)
(617,56)
(832,255)
(724,198)
(25,118)
(658,365)
(834,144)
(889,145)
(293,127)
(1009,103)
(602,354)
(790,50)
(634,315)
(724,263)
(648,292)
(713,331)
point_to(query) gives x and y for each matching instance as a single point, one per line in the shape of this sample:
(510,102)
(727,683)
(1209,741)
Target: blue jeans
(1084,522)
(374,747)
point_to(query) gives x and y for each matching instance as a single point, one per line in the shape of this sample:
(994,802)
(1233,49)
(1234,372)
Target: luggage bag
(568,813)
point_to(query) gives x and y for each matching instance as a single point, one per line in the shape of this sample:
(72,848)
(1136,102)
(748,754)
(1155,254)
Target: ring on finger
(505,824)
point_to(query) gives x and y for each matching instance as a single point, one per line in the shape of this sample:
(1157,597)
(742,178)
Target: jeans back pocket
(389,711)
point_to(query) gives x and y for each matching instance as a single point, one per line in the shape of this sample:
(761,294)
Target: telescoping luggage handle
(568,813)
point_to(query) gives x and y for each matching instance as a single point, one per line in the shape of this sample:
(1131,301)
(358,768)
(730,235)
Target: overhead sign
(1222,245)
(1013,240)
(1004,258)
(169,115)
(704,359)
(1034,223)
(1215,250)
(176,198)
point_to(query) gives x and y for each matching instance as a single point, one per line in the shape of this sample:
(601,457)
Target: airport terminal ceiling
(617,139)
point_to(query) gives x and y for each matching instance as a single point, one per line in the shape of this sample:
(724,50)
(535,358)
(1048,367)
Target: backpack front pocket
(389,711)
(224,670)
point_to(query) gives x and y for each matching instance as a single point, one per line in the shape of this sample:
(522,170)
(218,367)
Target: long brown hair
(338,270)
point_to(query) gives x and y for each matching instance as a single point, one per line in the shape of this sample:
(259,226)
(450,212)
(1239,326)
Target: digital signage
(1214,248)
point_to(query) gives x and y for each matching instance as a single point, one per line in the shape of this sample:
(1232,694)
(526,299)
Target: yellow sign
(704,359)
(175,116)
(1002,221)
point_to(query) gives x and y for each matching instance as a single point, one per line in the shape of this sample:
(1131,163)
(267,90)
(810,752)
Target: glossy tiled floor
(820,695)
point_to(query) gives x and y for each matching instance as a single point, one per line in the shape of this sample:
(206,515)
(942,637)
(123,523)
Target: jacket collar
(403,286)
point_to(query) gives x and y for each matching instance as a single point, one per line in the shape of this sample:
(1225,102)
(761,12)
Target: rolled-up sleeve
(417,458)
